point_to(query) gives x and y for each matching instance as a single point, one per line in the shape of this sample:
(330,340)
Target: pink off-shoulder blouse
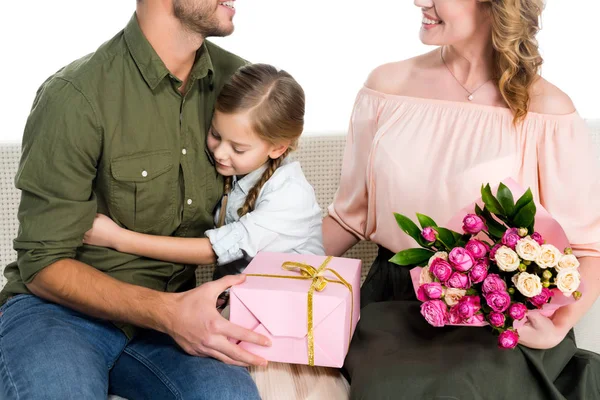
(409,155)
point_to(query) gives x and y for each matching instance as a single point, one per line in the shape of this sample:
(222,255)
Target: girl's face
(236,148)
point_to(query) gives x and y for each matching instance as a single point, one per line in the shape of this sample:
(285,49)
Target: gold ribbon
(319,283)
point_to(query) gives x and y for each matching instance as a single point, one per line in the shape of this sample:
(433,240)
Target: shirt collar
(149,63)
(247,182)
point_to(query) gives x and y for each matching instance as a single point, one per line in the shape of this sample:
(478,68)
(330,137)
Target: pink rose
(473,224)
(508,339)
(475,300)
(454,316)
(541,298)
(421,296)
(435,312)
(496,319)
(494,250)
(477,248)
(517,311)
(458,281)
(441,269)
(433,290)
(468,306)
(498,300)
(461,259)
(429,234)
(479,271)
(476,319)
(492,283)
(538,238)
(511,237)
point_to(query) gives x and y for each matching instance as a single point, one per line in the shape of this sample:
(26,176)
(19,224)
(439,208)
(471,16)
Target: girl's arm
(106,233)
(287,219)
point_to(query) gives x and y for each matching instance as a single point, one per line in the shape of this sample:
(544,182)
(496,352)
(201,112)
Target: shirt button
(144,173)
(189,201)
(183,151)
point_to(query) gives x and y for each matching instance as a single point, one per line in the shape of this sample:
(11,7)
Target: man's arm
(78,286)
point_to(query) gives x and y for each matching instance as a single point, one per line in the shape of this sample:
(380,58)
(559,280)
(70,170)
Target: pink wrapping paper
(277,308)
(547,226)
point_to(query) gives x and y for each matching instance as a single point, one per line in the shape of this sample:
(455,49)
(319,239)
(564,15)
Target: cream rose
(529,284)
(514,279)
(507,259)
(568,281)
(548,257)
(426,276)
(452,296)
(528,249)
(440,254)
(567,261)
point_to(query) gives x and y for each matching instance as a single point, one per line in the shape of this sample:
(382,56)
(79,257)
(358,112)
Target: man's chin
(224,30)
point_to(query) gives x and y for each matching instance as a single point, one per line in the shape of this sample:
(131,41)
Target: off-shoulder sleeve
(349,207)
(569,181)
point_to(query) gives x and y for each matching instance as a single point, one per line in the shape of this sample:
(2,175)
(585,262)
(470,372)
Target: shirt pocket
(142,192)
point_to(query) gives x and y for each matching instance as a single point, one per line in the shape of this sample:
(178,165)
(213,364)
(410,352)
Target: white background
(329,46)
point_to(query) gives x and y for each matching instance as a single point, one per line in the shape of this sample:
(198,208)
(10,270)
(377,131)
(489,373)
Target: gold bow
(319,283)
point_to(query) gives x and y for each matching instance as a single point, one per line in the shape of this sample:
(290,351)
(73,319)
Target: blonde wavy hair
(276,105)
(517,60)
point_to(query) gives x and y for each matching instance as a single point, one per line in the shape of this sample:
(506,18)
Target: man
(122,132)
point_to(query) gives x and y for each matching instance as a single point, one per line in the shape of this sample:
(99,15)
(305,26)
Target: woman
(425,134)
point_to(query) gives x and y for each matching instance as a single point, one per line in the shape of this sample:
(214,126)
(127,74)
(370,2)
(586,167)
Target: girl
(268,204)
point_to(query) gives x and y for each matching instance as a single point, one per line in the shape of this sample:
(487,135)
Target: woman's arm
(540,332)
(566,317)
(107,233)
(336,239)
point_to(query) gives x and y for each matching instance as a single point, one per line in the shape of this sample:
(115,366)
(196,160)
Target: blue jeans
(51,352)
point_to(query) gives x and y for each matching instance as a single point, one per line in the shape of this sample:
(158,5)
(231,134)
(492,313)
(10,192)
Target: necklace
(471,93)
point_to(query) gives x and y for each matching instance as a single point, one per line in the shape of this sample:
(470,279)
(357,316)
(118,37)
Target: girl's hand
(104,233)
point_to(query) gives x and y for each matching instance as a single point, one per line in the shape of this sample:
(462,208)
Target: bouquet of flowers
(493,271)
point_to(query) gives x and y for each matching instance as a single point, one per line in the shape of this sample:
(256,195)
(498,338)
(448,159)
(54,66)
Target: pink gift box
(276,306)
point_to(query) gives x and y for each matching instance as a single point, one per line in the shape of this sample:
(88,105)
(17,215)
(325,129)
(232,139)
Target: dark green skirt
(395,354)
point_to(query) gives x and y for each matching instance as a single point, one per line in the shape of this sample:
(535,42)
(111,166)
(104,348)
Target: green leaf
(525,216)
(409,227)
(506,199)
(478,210)
(425,221)
(522,202)
(495,232)
(494,228)
(491,203)
(412,257)
(446,237)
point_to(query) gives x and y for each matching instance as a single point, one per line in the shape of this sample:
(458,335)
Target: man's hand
(104,233)
(539,332)
(200,330)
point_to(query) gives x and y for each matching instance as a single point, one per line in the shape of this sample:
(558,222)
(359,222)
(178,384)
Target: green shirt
(111,133)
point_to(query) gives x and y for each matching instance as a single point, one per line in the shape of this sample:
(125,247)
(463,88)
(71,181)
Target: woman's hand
(540,332)
(104,233)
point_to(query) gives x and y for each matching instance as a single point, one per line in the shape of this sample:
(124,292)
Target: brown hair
(515,24)
(275,102)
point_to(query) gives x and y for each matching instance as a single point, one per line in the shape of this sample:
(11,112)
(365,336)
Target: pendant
(470,97)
